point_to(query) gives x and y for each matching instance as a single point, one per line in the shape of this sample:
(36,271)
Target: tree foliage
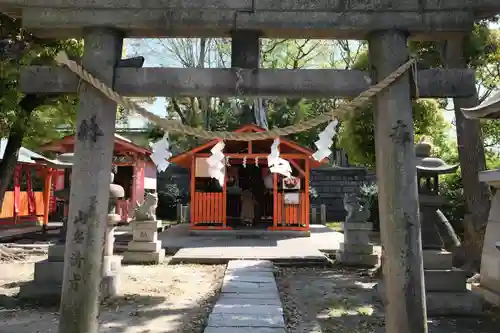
(224,113)
(19,48)
(357,136)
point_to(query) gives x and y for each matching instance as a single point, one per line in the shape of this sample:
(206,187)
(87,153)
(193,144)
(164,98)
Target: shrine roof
(121,144)
(489,109)
(184,159)
(25,156)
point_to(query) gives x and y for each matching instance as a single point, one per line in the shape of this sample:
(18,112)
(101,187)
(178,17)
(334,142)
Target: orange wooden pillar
(46,196)
(192,191)
(275,200)
(306,209)
(224,200)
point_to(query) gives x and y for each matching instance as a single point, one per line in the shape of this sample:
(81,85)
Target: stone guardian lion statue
(356,210)
(146,211)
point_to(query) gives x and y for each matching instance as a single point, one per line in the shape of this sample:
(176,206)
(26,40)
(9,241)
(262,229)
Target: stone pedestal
(47,283)
(489,287)
(145,248)
(356,250)
(445,287)
(111,264)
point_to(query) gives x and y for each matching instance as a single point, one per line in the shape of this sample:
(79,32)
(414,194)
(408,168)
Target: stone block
(452,280)
(250,288)
(256,265)
(356,248)
(368,226)
(135,246)
(243,320)
(143,257)
(255,277)
(111,265)
(145,235)
(436,259)
(221,329)
(56,252)
(357,259)
(245,300)
(247,296)
(48,293)
(49,271)
(356,237)
(146,225)
(488,295)
(250,309)
(446,303)
(454,304)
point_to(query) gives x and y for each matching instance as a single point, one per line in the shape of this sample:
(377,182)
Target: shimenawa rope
(173,126)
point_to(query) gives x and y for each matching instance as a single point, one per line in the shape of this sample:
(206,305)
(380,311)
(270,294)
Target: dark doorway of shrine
(248,179)
(124,177)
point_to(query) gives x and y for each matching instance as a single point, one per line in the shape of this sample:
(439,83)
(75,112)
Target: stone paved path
(249,300)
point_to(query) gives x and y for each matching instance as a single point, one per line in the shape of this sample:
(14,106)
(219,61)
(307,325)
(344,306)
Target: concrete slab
(222,249)
(244,330)
(250,277)
(257,265)
(243,300)
(245,320)
(274,310)
(236,289)
(246,304)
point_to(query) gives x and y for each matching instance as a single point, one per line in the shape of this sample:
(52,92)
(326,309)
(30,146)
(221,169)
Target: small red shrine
(29,199)
(280,203)
(135,171)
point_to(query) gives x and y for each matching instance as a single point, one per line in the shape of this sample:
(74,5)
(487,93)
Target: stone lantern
(428,171)
(445,286)
(48,277)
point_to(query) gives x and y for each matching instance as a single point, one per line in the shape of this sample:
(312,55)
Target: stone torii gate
(386,25)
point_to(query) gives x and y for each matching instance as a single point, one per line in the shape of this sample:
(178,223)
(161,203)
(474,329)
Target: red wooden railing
(291,215)
(207,208)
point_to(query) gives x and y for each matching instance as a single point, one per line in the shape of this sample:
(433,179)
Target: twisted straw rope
(173,126)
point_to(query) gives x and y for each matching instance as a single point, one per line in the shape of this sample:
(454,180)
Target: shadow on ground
(162,298)
(334,299)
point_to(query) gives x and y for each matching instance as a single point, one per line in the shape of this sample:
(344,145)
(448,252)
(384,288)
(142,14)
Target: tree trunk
(14,142)
(472,160)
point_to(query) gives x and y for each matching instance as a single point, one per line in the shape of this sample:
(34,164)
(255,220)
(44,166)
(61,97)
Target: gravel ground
(336,300)
(154,299)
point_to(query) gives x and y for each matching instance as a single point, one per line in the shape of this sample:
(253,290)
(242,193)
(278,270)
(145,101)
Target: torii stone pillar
(397,181)
(88,211)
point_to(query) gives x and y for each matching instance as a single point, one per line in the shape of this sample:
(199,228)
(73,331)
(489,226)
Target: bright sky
(156,61)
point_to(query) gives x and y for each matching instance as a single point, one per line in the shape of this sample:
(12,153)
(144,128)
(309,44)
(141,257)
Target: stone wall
(330,184)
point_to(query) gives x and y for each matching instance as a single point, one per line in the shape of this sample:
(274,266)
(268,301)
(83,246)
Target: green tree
(33,118)
(357,136)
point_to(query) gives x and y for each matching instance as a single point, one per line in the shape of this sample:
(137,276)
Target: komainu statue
(146,211)
(357,211)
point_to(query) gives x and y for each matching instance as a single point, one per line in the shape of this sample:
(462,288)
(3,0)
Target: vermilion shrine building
(29,199)
(134,170)
(281,204)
